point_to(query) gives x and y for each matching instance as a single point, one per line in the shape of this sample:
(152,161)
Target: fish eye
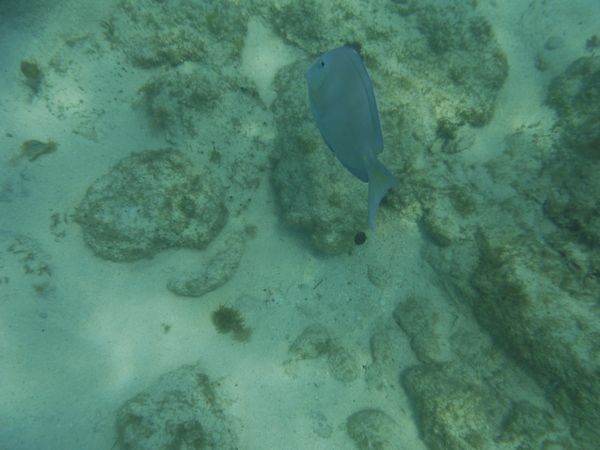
(322,63)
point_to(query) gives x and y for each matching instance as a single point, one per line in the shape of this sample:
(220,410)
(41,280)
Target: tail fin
(381,180)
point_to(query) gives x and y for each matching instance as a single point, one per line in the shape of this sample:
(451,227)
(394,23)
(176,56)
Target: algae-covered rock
(182,410)
(575,94)
(532,426)
(424,321)
(155,33)
(309,21)
(440,228)
(433,70)
(373,429)
(342,365)
(573,209)
(148,202)
(458,409)
(215,269)
(314,342)
(196,91)
(463,52)
(532,284)
(389,354)
(535,302)
(315,192)
(181,95)
(454,410)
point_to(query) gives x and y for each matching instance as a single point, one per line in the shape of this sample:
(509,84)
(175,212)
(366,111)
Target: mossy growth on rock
(574,95)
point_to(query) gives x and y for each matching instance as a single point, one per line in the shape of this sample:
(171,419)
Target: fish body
(344,108)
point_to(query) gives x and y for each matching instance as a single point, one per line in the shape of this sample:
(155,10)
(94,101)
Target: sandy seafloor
(69,357)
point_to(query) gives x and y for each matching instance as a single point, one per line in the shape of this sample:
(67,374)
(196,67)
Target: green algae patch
(227,319)
(32,149)
(33,75)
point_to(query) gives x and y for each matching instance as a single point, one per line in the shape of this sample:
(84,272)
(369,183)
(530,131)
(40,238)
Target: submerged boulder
(148,202)
(574,95)
(181,410)
(441,72)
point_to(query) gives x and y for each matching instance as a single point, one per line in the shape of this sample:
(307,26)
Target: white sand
(70,357)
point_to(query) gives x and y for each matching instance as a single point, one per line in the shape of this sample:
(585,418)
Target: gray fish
(344,108)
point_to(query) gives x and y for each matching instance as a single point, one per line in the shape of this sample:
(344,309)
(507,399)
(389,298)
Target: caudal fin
(381,180)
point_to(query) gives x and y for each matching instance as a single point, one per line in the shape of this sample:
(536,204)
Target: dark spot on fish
(360,238)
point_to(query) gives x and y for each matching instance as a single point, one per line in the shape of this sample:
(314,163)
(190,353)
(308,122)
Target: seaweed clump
(33,75)
(33,149)
(227,319)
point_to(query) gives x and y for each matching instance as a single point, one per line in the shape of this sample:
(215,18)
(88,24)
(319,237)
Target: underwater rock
(372,429)
(342,365)
(573,209)
(533,427)
(533,299)
(575,94)
(468,66)
(148,202)
(314,342)
(308,23)
(196,93)
(344,109)
(180,410)
(532,285)
(389,354)
(440,227)
(312,188)
(450,76)
(458,410)
(151,34)
(423,321)
(528,151)
(178,97)
(454,410)
(215,271)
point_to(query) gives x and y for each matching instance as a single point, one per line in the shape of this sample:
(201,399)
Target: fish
(344,108)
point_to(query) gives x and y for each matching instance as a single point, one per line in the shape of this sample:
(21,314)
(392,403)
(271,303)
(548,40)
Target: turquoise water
(185,265)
